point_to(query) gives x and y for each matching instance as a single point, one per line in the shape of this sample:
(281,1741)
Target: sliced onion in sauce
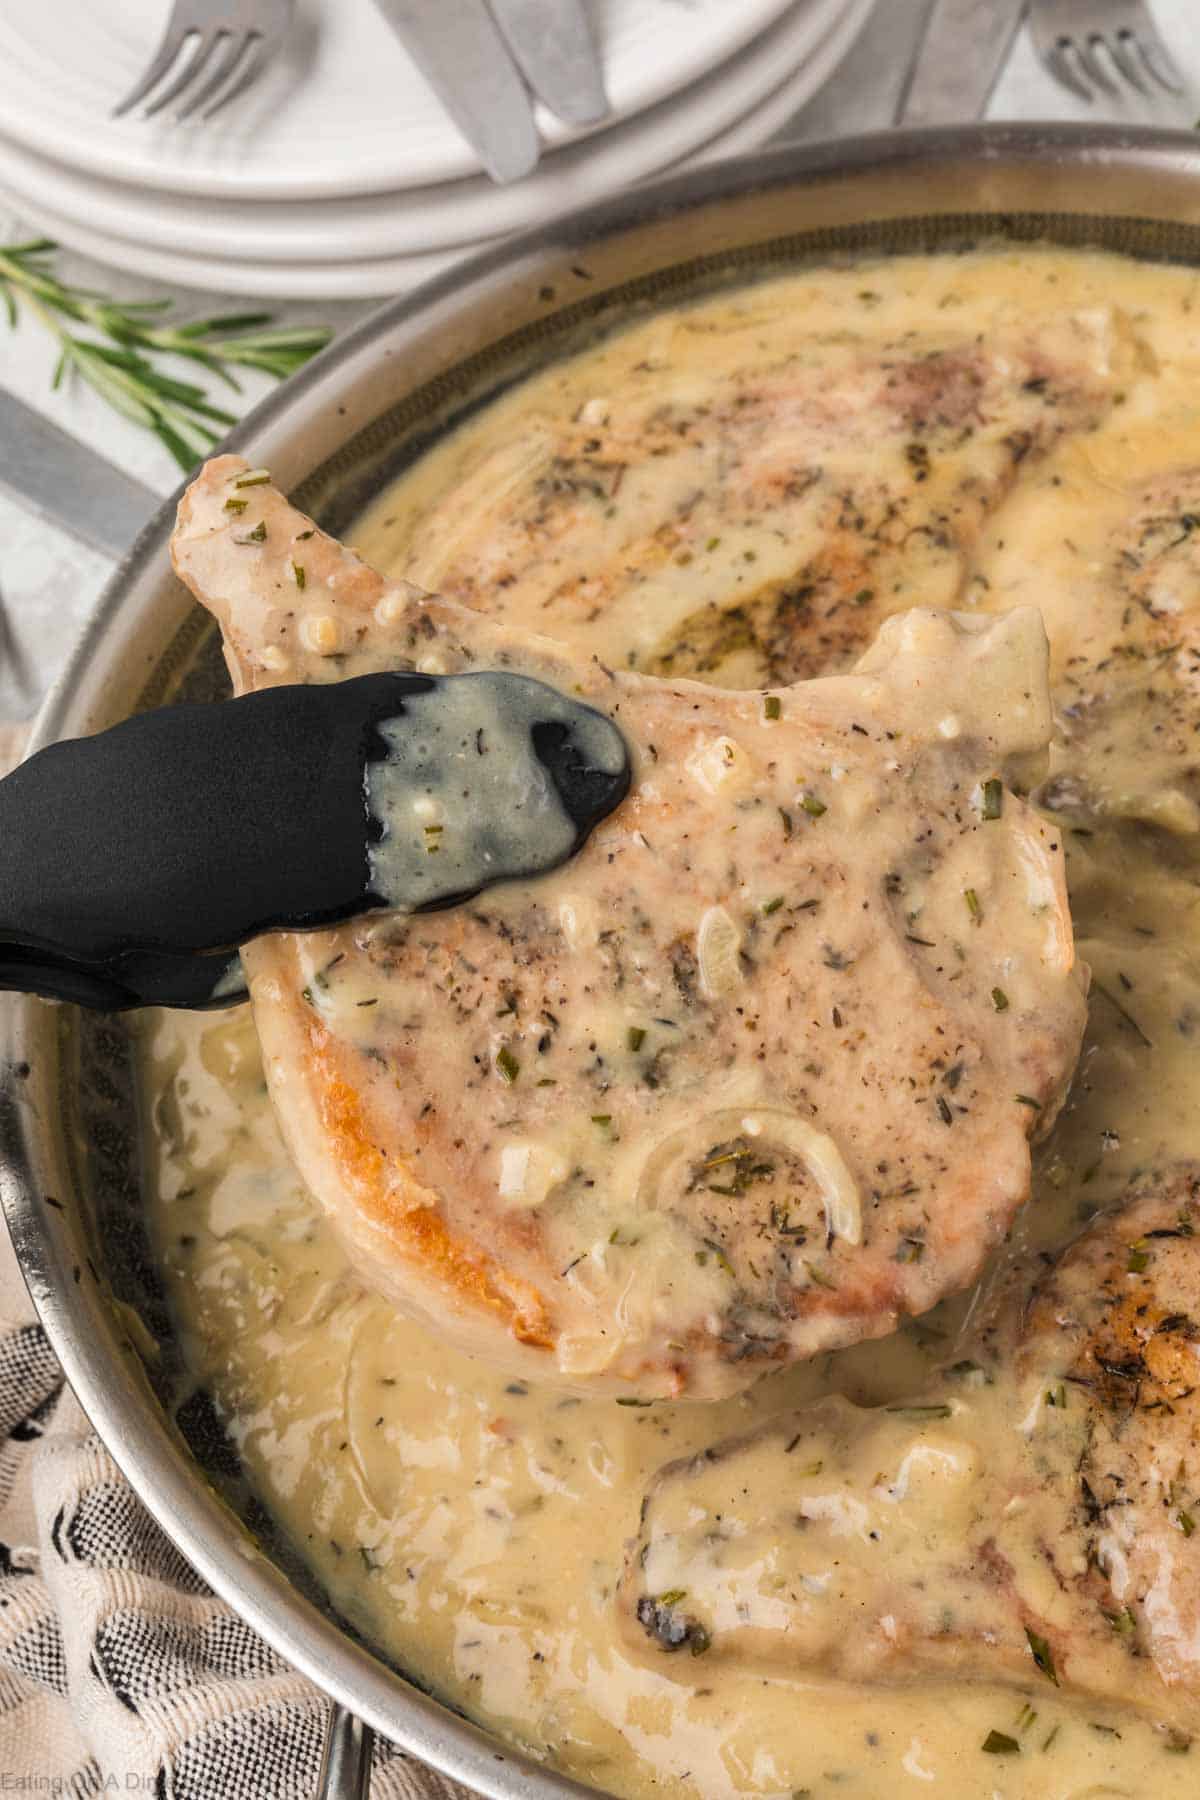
(839,1190)
(765,1125)
(718,948)
(529,1172)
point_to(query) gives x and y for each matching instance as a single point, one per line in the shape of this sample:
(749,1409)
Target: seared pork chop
(1028,1520)
(754,1075)
(753,514)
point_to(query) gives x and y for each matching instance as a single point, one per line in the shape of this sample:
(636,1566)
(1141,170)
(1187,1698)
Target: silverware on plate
(478,60)
(964,47)
(221,45)
(1093,46)
(458,48)
(917,62)
(555,52)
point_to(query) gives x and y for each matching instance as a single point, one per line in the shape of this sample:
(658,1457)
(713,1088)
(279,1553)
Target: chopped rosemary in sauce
(718,1255)
(1186,1523)
(991,798)
(256,536)
(299,576)
(253,478)
(1028,1100)
(812,806)
(635,1037)
(507,1066)
(772,706)
(999,999)
(973,906)
(1043,1656)
(998,1743)
(235,505)
(771,906)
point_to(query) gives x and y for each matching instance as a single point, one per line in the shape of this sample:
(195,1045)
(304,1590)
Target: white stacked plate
(339,175)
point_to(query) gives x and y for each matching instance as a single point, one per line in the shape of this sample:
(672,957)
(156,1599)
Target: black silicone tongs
(133,863)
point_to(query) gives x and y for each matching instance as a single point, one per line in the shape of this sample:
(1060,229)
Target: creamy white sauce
(463,799)
(475,1527)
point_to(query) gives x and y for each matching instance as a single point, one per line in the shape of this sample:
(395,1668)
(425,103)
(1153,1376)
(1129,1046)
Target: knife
(554,48)
(867,87)
(457,46)
(964,47)
(69,484)
(907,49)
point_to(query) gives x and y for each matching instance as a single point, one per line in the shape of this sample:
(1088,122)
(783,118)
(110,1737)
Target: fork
(212,50)
(1082,41)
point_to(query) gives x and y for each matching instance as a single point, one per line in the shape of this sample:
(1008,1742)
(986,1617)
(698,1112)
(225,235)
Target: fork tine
(1061,64)
(173,40)
(1157,57)
(230,48)
(1093,63)
(253,64)
(196,65)
(1123,51)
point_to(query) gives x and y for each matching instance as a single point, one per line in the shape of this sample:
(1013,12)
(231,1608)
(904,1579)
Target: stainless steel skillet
(334,435)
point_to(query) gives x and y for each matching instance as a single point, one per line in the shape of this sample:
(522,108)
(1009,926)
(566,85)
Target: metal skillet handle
(346,1759)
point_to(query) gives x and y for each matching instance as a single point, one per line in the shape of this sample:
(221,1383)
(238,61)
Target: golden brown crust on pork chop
(1033,1522)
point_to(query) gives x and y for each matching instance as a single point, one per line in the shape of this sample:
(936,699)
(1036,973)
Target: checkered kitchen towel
(120,1671)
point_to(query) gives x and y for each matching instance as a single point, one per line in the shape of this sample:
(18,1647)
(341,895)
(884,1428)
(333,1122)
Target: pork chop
(753,1076)
(752,512)
(1026,1520)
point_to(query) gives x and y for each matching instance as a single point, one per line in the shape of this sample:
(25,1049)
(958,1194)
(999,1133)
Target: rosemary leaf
(117,359)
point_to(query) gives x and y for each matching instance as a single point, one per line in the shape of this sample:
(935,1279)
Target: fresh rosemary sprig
(116,359)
